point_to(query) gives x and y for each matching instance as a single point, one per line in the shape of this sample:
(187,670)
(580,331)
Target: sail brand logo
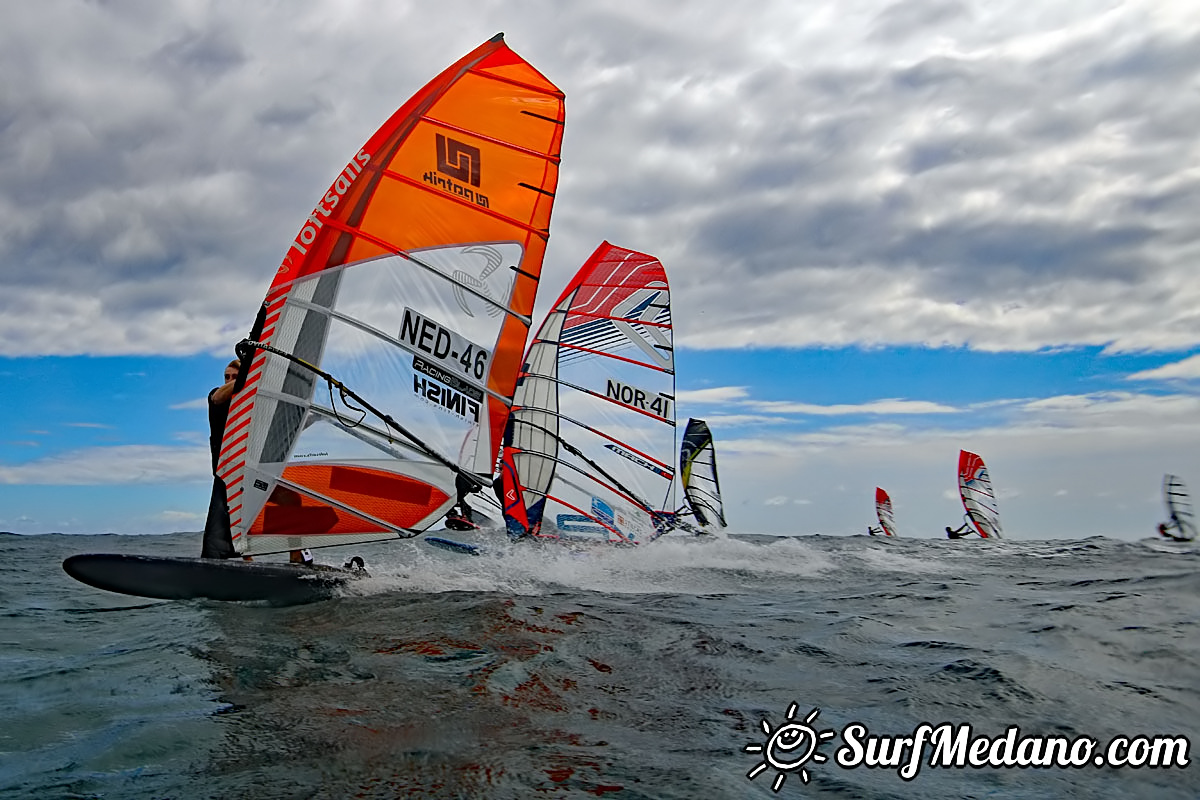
(633,397)
(792,745)
(458,162)
(641,462)
(445,390)
(308,234)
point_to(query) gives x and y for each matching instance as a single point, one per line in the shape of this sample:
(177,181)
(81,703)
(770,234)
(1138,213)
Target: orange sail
(410,286)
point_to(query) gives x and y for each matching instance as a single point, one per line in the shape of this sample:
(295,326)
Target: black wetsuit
(218,541)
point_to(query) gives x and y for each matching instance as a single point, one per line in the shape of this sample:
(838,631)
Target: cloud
(718,394)
(1075,466)
(1187,369)
(125,464)
(180,516)
(891,406)
(937,172)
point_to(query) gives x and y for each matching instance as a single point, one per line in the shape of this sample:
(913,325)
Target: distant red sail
(975,489)
(591,437)
(883,510)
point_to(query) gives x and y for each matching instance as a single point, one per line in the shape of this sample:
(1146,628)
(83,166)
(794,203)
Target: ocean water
(618,674)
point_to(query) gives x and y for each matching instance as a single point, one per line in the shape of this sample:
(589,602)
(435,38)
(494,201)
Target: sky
(893,230)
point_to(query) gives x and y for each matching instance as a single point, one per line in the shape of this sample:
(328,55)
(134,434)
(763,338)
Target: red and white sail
(975,489)
(590,448)
(883,510)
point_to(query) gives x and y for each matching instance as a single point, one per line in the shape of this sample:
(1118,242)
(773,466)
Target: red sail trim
(577,317)
(233,418)
(227,465)
(230,431)
(617,261)
(227,458)
(231,469)
(565,346)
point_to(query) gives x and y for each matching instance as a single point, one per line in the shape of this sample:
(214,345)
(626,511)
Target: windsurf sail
(591,439)
(698,474)
(883,510)
(975,489)
(409,291)
(1182,521)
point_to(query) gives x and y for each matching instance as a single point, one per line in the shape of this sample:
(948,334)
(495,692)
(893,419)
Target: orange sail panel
(412,283)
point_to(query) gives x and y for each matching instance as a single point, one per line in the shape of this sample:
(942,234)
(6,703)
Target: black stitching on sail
(542,116)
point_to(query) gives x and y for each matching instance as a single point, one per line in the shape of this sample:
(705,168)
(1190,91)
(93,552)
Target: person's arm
(221,394)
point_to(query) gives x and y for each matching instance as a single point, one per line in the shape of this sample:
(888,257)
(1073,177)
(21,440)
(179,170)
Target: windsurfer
(874,531)
(1164,529)
(959,532)
(218,538)
(218,542)
(460,518)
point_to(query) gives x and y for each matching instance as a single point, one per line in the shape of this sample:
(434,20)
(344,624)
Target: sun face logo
(789,747)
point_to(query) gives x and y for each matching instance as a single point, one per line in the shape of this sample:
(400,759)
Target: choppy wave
(621,673)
